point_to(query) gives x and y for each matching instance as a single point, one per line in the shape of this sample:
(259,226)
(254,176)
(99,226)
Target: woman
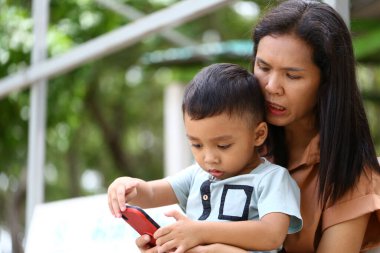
(304,60)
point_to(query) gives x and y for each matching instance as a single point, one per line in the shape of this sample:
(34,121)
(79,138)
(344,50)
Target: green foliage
(366,37)
(96,119)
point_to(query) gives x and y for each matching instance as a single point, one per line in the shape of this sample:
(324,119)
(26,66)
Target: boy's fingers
(124,191)
(179,250)
(160,233)
(121,193)
(115,207)
(175,214)
(167,247)
(112,202)
(110,206)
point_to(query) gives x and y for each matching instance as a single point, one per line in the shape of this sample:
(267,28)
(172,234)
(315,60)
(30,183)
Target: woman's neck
(297,139)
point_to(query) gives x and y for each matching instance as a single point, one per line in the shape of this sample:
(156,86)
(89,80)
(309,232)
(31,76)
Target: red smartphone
(137,218)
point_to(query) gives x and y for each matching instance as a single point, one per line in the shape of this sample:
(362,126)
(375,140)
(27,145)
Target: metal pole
(37,115)
(343,7)
(114,41)
(133,14)
(177,151)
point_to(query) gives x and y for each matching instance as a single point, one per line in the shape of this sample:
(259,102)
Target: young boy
(223,110)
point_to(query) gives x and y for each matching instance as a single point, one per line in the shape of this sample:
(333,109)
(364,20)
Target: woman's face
(288,78)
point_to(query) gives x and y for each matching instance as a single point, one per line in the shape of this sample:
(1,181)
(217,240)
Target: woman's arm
(345,237)
(216,248)
(143,243)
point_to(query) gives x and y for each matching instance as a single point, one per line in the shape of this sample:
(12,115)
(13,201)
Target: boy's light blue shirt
(268,188)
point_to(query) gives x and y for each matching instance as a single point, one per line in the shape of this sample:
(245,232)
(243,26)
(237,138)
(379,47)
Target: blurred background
(105,119)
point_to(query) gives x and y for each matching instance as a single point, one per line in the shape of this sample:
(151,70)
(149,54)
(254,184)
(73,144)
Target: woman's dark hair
(346,146)
(224,88)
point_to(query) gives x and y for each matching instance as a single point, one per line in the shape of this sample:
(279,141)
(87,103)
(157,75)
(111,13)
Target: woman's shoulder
(367,185)
(369,182)
(363,198)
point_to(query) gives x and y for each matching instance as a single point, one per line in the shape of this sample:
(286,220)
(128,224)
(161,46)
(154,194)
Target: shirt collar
(310,156)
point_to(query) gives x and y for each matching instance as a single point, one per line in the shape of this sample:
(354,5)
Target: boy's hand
(184,234)
(121,191)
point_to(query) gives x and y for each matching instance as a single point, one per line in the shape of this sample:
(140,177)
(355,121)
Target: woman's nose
(274,85)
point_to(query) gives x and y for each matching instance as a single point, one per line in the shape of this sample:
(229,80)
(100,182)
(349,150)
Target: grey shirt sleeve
(278,192)
(181,184)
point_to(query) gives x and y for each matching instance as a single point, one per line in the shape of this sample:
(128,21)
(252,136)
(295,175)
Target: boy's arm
(266,234)
(153,194)
(139,192)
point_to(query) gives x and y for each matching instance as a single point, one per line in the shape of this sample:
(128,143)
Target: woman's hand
(202,249)
(143,244)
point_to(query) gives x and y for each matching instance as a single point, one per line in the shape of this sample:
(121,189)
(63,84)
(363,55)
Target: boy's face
(224,146)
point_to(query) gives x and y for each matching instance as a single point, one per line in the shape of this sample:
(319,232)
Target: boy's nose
(210,157)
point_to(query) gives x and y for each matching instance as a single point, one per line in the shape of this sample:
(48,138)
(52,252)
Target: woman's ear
(261,133)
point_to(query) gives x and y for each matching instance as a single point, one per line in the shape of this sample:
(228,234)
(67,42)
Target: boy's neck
(255,162)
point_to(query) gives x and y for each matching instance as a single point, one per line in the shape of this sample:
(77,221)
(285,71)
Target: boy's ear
(261,133)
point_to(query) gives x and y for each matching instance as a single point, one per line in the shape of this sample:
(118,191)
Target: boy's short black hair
(224,88)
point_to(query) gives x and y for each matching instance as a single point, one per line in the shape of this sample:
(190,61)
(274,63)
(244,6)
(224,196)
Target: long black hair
(346,146)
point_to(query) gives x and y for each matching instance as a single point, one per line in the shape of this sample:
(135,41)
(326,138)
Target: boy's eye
(194,145)
(224,146)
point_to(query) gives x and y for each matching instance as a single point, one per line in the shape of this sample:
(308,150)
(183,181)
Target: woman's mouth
(275,109)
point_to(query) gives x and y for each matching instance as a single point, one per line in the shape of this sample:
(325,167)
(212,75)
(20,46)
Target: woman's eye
(293,77)
(224,146)
(263,68)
